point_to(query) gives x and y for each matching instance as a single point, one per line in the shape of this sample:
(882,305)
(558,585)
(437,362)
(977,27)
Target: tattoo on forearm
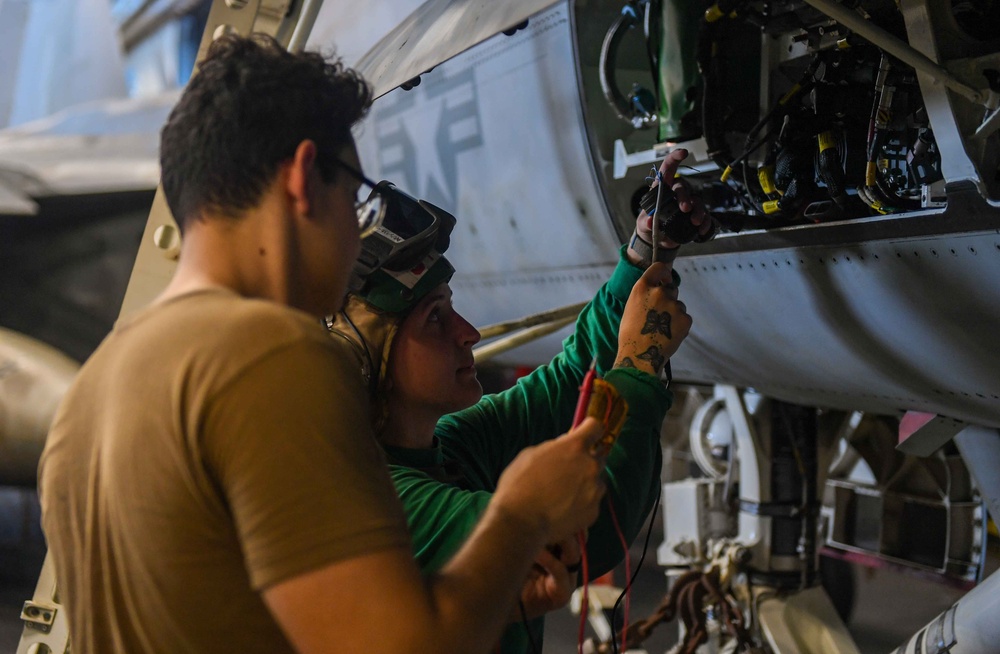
(657,323)
(654,356)
(625,363)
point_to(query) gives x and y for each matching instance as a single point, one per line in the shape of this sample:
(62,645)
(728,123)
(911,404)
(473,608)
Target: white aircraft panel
(880,325)
(352,28)
(437,31)
(98,147)
(496,136)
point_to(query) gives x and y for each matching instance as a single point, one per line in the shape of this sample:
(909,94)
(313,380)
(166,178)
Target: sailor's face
(431,366)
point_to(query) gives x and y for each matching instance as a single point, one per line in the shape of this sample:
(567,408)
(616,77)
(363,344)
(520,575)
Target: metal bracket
(700,162)
(921,434)
(38,616)
(46,628)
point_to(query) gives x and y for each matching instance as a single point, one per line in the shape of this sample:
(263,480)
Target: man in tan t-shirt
(200,492)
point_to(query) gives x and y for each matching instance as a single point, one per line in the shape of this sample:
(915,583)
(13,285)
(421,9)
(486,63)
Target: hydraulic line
(633,108)
(486,352)
(533,327)
(501,328)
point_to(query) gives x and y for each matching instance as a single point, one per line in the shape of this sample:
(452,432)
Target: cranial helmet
(399,264)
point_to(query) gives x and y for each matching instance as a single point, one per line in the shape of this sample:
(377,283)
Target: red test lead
(586,388)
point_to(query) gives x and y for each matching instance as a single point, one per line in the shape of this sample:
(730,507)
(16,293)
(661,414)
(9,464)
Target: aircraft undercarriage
(778,485)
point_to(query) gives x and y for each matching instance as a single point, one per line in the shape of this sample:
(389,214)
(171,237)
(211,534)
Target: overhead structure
(436,32)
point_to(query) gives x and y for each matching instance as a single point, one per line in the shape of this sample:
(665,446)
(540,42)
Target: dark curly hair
(245,112)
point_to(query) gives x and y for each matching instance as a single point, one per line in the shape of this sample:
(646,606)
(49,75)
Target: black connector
(674,223)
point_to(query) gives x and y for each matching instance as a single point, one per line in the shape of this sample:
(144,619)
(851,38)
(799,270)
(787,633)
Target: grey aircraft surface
(846,314)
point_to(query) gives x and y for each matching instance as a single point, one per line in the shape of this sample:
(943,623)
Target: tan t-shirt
(211,447)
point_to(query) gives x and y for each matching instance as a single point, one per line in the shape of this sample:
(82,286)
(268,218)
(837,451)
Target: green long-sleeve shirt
(445,488)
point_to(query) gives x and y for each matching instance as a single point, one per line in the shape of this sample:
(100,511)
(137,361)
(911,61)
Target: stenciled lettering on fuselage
(420,134)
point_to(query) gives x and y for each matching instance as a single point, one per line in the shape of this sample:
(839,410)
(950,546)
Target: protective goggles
(403,233)
(371,211)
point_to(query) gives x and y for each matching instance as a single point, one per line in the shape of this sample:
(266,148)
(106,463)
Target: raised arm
(484,437)
(541,404)
(653,327)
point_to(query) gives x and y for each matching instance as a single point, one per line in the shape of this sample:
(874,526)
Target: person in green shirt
(447,444)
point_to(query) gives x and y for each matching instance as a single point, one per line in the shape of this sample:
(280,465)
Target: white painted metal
(871,317)
(436,32)
(805,623)
(970,626)
(506,117)
(709,419)
(106,146)
(492,331)
(697,161)
(824,327)
(600,598)
(352,28)
(956,164)
(303,27)
(980,449)
(13,201)
(695,511)
(875,325)
(930,436)
(54,640)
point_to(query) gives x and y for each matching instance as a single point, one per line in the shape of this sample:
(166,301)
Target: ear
(303,178)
